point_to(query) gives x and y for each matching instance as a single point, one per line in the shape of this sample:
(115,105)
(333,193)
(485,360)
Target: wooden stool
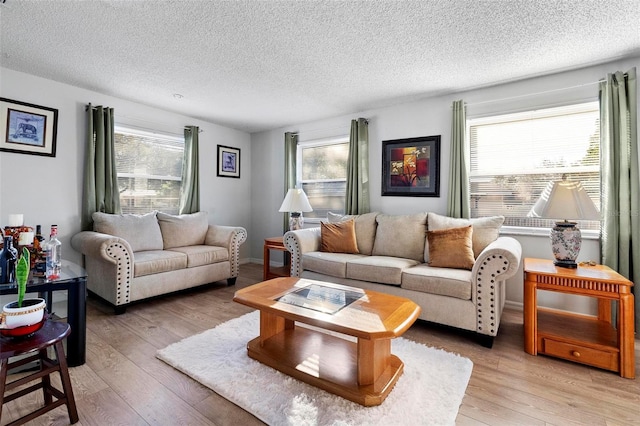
(50,334)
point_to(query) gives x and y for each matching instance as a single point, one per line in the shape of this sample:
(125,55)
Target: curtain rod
(327,130)
(538,93)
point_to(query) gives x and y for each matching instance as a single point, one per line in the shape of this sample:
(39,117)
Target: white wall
(48,190)
(431,116)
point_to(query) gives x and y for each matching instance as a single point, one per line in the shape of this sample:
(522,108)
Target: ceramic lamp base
(566,241)
(295,221)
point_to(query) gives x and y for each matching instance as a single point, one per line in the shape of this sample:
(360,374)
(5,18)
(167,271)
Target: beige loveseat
(133,257)
(456,273)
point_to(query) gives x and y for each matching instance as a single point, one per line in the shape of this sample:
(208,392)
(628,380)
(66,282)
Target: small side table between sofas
(275,243)
(51,334)
(585,339)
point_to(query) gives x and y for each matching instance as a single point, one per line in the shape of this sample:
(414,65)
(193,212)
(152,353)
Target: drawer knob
(576,354)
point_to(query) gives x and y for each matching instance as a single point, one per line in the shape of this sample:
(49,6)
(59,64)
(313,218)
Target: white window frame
(585,105)
(311,144)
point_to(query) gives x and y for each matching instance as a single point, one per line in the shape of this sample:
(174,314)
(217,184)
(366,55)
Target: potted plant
(27,314)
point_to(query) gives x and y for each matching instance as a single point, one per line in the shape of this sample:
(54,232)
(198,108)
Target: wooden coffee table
(361,368)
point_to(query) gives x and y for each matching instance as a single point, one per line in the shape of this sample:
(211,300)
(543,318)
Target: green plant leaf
(22,274)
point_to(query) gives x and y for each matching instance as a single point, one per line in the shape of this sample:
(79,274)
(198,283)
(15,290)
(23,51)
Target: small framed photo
(27,128)
(228,161)
(411,167)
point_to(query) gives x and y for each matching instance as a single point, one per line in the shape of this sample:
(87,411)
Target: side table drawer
(577,353)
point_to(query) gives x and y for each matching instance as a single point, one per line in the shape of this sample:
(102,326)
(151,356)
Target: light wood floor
(122,383)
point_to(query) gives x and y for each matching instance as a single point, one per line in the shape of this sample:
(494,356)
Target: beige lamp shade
(295,201)
(565,200)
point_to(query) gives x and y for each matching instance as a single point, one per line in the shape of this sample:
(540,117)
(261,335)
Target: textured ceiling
(257,65)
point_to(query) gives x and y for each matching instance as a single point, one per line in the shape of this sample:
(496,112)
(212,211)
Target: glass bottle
(8,257)
(54,252)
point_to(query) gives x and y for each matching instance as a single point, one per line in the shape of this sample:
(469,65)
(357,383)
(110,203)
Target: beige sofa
(458,280)
(133,257)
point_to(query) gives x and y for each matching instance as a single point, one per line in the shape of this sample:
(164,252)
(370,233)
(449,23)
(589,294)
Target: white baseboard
(515,306)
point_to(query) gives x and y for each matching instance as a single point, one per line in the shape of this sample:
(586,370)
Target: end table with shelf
(585,339)
(269,272)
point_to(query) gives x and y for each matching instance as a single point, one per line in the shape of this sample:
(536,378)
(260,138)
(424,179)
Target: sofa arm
(230,237)
(299,242)
(109,263)
(498,262)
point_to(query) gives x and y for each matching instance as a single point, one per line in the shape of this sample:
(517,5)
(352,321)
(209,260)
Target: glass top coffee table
(359,368)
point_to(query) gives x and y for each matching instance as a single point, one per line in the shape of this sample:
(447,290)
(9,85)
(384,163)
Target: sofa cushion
(338,237)
(401,236)
(378,269)
(203,255)
(183,230)
(142,232)
(443,281)
(485,229)
(156,261)
(365,229)
(333,264)
(451,248)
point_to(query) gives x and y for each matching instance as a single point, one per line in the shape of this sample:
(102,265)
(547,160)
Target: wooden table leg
(373,359)
(530,317)
(266,260)
(604,310)
(626,335)
(270,325)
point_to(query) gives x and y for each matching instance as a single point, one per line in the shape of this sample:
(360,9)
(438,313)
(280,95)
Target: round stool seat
(50,333)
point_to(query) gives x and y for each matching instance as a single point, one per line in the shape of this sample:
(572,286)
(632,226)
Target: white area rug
(429,392)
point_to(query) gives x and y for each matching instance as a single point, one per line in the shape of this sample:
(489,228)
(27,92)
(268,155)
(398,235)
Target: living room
(50,188)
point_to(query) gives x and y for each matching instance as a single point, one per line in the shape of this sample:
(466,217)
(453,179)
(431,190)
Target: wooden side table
(585,339)
(275,243)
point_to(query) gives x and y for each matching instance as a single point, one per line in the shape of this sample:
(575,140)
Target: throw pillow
(365,228)
(401,236)
(183,230)
(451,248)
(338,237)
(142,232)
(485,229)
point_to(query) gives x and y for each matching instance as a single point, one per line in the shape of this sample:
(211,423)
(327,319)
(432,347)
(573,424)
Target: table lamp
(295,203)
(566,200)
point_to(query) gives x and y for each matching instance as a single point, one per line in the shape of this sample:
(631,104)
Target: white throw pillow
(142,232)
(183,230)
(401,236)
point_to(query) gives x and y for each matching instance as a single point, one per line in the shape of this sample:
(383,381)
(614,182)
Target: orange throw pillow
(451,248)
(339,237)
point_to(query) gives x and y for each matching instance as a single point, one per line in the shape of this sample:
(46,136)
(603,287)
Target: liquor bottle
(37,241)
(8,257)
(54,259)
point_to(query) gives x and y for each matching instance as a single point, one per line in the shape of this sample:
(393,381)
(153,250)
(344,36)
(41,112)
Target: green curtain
(190,190)
(357,197)
(100,191)
(290,152)
(620,238)
(459,196)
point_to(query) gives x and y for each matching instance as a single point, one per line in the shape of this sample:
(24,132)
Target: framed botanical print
(411,167)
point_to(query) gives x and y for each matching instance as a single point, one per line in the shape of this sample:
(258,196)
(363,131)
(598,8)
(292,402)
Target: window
(149,167)
(322,174)
(515,156)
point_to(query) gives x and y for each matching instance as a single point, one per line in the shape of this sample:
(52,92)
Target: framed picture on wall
(27,128)
(228,161)
(411,167)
